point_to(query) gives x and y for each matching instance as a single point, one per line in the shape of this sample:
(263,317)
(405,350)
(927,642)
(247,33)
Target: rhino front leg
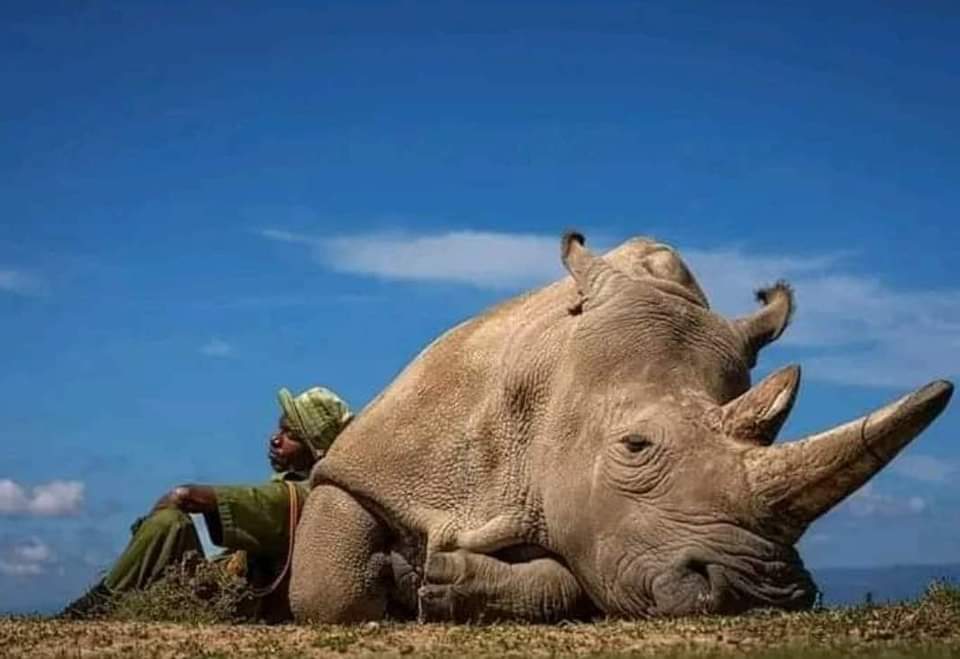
(462,586)
(339,568)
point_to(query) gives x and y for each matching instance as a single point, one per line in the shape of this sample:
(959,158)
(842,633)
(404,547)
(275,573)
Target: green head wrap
(317,416)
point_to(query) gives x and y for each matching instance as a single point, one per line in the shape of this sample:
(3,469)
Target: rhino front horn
(798,482)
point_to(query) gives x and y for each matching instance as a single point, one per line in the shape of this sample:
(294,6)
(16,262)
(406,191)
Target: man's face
(286,451)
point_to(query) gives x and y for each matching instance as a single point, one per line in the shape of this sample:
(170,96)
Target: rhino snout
(687,587)
(698,584)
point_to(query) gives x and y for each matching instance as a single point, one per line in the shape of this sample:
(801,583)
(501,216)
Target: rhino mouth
(705,582)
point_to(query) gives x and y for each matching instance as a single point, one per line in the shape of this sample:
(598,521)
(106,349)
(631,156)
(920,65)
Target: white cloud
(924,468)
(484,259)
(861,331)
(57,498)
(21,283)
(855,329)
(32,552)
(217,348)
(13,499)
(26,559)
(53,499)
(729,276)
(14,569)
(868,502)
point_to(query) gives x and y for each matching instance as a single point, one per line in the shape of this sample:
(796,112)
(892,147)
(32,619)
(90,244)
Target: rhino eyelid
(636,443)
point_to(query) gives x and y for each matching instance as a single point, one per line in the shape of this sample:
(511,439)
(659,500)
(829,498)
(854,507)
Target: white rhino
(591,448)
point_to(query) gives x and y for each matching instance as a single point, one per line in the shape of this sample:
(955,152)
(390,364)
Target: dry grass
(194,591)
(929,627)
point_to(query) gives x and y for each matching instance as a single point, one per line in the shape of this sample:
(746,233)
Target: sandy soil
(885,631)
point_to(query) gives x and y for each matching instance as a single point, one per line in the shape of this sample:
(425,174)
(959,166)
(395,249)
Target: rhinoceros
(593,448)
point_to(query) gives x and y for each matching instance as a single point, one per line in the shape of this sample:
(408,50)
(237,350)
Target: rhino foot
(446,597)
(462,586)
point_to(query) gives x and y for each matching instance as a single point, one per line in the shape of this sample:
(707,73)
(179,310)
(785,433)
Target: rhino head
(667,494)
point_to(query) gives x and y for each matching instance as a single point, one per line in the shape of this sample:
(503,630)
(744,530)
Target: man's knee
(164,521)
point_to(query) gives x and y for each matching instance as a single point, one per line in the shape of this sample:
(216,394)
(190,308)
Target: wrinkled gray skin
(591,448)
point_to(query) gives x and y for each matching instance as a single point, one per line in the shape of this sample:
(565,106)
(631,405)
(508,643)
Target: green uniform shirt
(256,518)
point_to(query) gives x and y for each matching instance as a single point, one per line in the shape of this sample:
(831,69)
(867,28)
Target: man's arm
(189,499)
(250,517)
(195,499)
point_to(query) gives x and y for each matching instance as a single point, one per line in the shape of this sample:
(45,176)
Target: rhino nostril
(699,568)
(686,589)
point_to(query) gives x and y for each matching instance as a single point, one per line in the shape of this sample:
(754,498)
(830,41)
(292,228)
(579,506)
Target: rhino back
(445,445)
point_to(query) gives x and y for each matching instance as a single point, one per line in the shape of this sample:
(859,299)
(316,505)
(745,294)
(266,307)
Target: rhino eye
(636,443)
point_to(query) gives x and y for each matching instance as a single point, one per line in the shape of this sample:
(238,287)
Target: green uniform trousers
(159,541)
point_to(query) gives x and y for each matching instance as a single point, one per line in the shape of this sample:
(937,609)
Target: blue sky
(202,202)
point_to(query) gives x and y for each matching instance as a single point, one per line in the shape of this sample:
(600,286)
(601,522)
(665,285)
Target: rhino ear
(590,272)
(757,415)
(767,324)
(576,258)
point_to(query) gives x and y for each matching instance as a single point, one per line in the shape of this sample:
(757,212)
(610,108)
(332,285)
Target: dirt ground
(927,629)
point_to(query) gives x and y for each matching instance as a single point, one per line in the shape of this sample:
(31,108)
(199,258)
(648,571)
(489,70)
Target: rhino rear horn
(768,323)
(589,271)
(756,416)
(798,482)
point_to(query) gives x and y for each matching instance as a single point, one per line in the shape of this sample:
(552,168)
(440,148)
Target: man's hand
(189,499)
